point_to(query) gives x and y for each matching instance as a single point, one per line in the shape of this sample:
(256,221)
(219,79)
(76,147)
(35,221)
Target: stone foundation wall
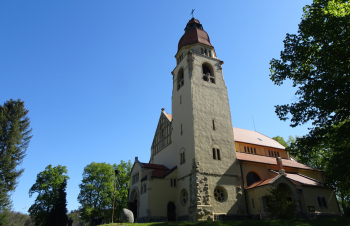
(223,217)
(183,218)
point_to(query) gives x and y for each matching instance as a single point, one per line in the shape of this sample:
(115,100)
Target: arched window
(180,79)
(252,178)
(216,154)
(208,74)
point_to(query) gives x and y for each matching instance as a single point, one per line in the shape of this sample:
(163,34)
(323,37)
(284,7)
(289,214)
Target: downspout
(245,195)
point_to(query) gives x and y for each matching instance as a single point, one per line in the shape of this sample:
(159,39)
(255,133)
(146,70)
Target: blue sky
(94,75)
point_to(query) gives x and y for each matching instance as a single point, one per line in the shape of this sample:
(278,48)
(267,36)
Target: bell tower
(202,126)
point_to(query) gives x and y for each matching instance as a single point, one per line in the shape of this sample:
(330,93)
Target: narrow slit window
(245,150)
(324,202)
(278,154)
(275,154)
(183,156)
(218,154)
(320,204)
(174,182)
(251,150)
(181,129)
(213,125)
(214,154)
(269,153)
(254,151)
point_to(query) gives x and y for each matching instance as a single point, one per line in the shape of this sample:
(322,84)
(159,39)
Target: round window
(183,197)
(219,194)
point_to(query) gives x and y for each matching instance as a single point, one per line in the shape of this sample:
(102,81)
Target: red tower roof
(194,33)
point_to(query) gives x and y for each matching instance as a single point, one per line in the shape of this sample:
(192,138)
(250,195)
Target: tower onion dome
(194,33)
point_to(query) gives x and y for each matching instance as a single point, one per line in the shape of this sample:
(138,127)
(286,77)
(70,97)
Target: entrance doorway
(133,203)
(133,208)
(171,211)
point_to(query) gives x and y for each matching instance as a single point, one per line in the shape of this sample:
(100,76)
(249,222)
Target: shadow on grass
(339,221)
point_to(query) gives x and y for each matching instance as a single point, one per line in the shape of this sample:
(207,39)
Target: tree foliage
(19,219)
(75,216)
(280,203)
(5,208)
(58,213)
(95,190)
(97,187)
(122,187)
(51,199)
(317,60)
(14,140)
(281,141)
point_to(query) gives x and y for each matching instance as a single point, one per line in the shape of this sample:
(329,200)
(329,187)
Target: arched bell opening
(180,79)
(208,73)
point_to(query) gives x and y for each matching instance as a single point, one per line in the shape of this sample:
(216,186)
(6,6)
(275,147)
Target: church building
(203,169)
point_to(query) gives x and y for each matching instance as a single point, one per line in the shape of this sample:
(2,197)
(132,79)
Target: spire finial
(192,12)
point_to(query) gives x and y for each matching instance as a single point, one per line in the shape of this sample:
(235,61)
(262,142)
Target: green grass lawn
(319,222)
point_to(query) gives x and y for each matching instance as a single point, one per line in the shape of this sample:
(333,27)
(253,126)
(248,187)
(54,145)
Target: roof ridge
(310,178)
(261,134)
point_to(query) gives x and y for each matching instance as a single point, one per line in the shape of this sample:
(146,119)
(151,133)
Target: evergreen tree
(58,214)
(14,141)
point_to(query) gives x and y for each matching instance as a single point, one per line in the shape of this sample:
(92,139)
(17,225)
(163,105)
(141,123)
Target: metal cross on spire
(192,12)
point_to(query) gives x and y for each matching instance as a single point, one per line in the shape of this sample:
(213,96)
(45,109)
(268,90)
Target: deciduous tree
(317,60)
(96,190)
(122,187)
(280,203)
(97,187)
(281,141)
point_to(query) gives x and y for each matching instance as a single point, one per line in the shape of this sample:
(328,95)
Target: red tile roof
(252,137)
(154,166)
(169,116)
(194,35)
(291,176)
(302,179)
(260,183)
(161,173)
(271,161)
